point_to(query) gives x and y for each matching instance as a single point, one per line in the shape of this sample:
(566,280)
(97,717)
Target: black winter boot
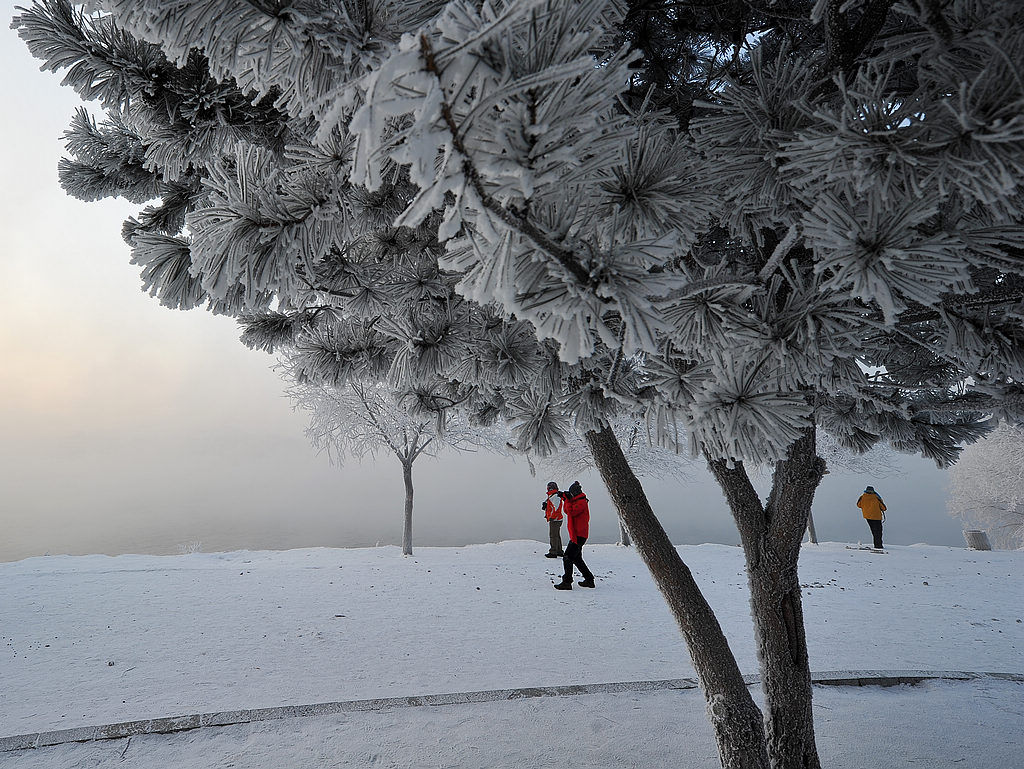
(565,584)
(588,582)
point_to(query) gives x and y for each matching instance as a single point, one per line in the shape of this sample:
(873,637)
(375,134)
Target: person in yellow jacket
(873,508)
(552,507)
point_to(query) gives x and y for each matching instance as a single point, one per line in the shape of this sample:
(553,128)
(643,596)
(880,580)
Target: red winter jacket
(577,514)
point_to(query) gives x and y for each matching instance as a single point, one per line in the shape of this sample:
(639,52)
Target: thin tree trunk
(623,534)
(737,721)
(811,535)
(771,536)
(407,529)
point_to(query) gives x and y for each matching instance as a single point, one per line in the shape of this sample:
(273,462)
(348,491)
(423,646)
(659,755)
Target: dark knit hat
(575,488)
(552,486)
(869,488)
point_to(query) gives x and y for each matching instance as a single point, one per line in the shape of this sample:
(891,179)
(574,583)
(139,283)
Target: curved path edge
(174,724)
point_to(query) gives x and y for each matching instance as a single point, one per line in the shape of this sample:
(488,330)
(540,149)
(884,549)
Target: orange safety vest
(553,511)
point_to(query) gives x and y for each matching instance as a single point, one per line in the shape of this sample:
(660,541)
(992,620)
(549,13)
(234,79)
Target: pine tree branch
(932,18)
(103,61)
(870,23)
(970,402)
(516,220)
(933,350)
(619,355)
(275,9)
(963,302)
(781,250)
(323,290)
(844,44)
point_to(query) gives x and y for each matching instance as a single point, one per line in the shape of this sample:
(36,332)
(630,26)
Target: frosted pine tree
(265,224)
(849,231)
(748,221)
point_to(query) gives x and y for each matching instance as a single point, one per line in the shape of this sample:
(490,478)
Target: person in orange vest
(873,508)
(577,513)
(552,507)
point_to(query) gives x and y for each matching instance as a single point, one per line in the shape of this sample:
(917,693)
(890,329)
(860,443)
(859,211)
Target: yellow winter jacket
(871,505)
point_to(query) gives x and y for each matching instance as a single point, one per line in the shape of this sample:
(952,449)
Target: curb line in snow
(235,717)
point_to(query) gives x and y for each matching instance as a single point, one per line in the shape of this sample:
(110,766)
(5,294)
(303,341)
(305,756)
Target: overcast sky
(127,427)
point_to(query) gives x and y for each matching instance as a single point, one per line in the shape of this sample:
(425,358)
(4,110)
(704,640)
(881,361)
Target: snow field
(221,631)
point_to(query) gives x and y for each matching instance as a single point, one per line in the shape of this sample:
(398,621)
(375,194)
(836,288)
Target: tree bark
(771,536)
(407,529)
(737,721)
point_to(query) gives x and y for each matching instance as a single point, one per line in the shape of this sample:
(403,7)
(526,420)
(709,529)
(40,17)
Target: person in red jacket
(552,507)
(577,514)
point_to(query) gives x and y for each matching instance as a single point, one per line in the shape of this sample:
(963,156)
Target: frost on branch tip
(167,270)
(740,416)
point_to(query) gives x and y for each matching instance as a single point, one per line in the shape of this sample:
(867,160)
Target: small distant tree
(986,489)
(358,420)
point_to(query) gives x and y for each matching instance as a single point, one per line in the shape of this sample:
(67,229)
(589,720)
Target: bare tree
(358,420)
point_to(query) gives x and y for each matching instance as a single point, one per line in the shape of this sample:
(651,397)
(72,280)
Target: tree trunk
(771,536)
(811,535)
(623,534)
(737,721)
(407,529)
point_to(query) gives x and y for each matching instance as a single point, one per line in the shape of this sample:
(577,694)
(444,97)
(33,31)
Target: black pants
(574,557)
(876,532)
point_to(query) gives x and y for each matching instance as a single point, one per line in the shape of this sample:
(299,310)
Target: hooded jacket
(577,512)
(871,506)
(553,506)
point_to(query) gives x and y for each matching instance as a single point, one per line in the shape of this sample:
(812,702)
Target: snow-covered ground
(90,640)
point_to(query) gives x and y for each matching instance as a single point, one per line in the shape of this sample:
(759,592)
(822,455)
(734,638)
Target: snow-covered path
(173,725)
(938,725)
(95,639)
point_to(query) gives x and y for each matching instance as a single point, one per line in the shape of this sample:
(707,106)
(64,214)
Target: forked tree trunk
(812,536)
(737,721)
(623,534)
(407,529)
(771,536)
